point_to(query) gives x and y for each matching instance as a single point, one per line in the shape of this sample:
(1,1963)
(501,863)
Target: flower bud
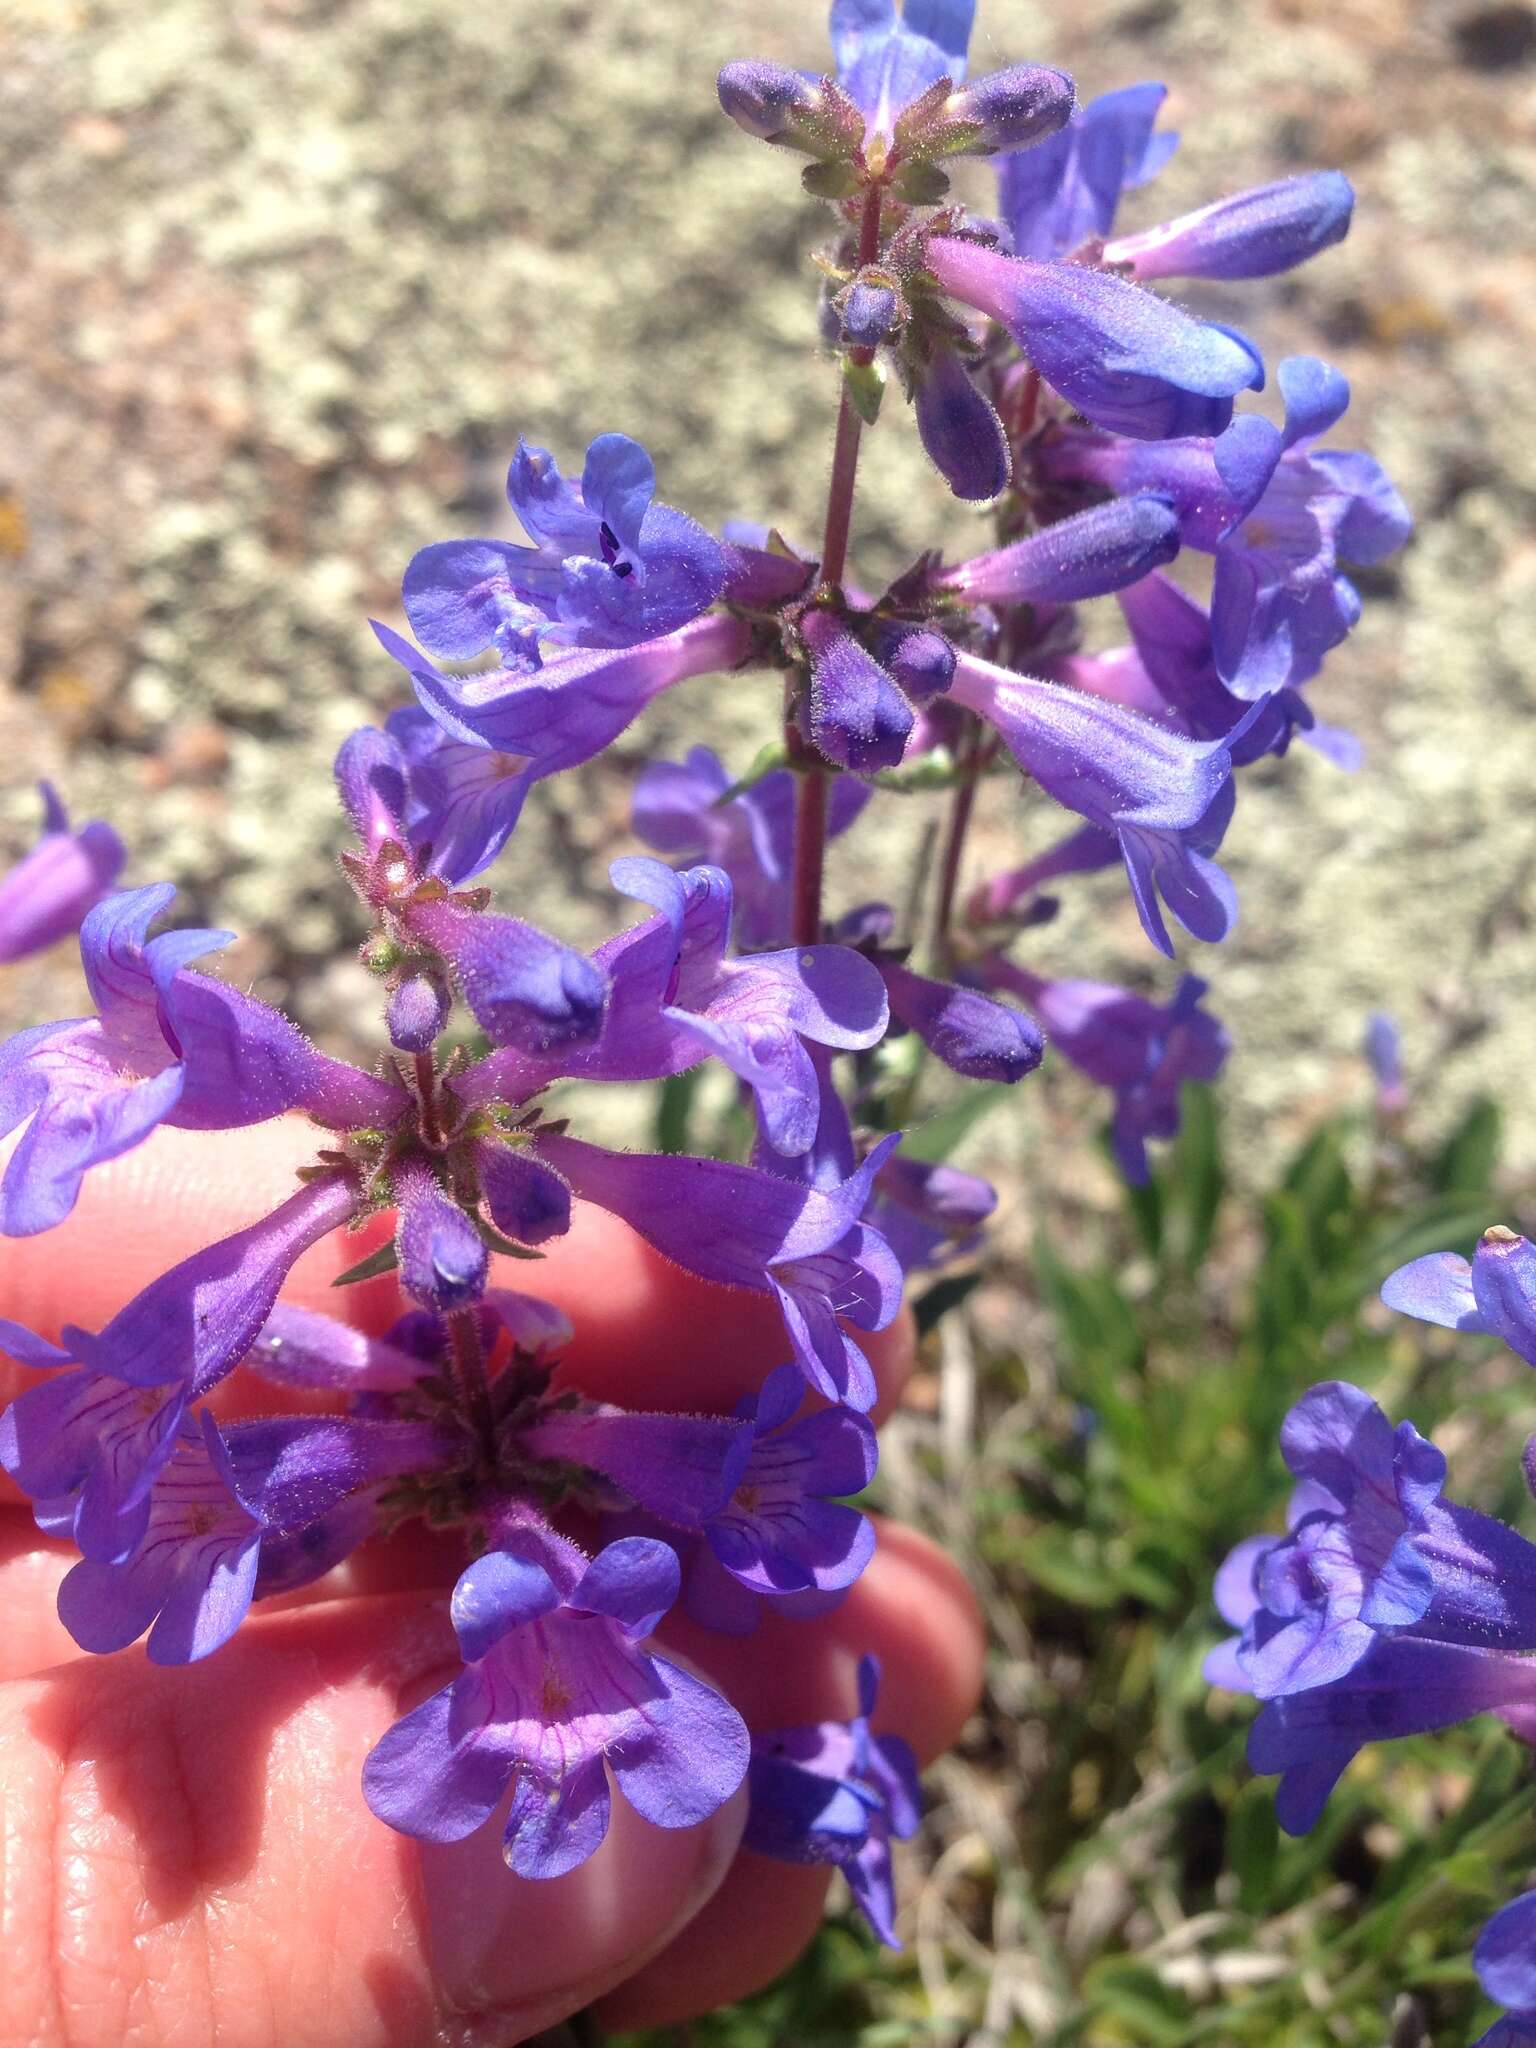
(961,431)
(418,1010)
(857,716)
(443,1259)
(920,659)
(1007,110)
(871,309)
(785,107)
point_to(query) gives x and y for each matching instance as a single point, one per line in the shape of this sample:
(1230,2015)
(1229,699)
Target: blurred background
(285,279)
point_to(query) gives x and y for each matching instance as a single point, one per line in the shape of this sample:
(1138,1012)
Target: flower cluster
(1098,418)
(1386,1610)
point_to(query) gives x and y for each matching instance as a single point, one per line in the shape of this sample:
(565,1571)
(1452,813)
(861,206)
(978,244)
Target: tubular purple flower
(1126,359)
(371,780)
(168,1046)
(556,1687)
(192,1574)
(855,716)
(1144,1051)
(527,1202)
(511,730)
(1405,1686)
(1494,1296)
(197,1321)
(834,1792)
(525,988)
(48,892)
(1067,190)
(1087,555)
(1383,1049)
(1152,788)
(608,569)
(960,430)
(745,1228)
(1257,233)
(1086,851)
(884,64)
(1505,1962)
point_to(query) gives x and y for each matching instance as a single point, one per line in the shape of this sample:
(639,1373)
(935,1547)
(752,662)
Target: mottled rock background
(283,279)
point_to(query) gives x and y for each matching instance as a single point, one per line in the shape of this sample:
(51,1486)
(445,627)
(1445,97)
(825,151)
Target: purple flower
(959,428)
(1067,191)
(1383,1049)
(1095,551)
(167,1046)
(48,892)
(1494,1296)
(1505,1962)
(1256,233)
(762,1490)
(1278,517)
(676,998)
(608,567)
(1144,1051)
(88,1443)
(506,730)
(1126,359)
(556,1693)
(1161,795)
(834,1792)
(1176,660)
(884,63)
(680,807)
(745,1228)
(1372,1552)
(929,1214)
(1405,1686)
(192,1573)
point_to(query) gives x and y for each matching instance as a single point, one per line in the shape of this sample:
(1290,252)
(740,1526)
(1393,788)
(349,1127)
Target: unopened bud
(418,1010)
(871,308)
(920,659)
(1006,110)
(785,107)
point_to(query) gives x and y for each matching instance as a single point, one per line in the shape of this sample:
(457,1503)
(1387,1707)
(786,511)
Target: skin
(185,1855)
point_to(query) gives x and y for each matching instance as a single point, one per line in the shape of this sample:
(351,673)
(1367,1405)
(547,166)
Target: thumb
(187,1856)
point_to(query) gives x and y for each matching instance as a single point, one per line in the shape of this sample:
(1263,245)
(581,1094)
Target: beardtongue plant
(1100,420)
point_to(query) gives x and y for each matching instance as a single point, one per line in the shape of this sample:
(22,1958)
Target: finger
(31,1567)
(914,1611)
(194,1843)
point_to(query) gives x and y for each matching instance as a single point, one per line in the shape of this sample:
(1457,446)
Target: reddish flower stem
(474,1385)
(811,796)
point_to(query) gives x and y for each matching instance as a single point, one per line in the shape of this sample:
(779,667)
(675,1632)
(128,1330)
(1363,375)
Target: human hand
(185,1854)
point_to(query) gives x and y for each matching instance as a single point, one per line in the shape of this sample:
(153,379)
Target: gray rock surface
(285,279)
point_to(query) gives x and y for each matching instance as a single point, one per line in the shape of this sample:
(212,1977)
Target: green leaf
(768,758)
(933,1141)
(865,385)
(942,1297)
(674,1109)
(1468,1161)
(833,180)
(384,1260)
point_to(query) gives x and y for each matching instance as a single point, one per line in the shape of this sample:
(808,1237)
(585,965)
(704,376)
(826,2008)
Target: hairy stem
(474,1386)
(811,799)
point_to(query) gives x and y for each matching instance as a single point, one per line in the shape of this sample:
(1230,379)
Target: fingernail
(503,1946)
